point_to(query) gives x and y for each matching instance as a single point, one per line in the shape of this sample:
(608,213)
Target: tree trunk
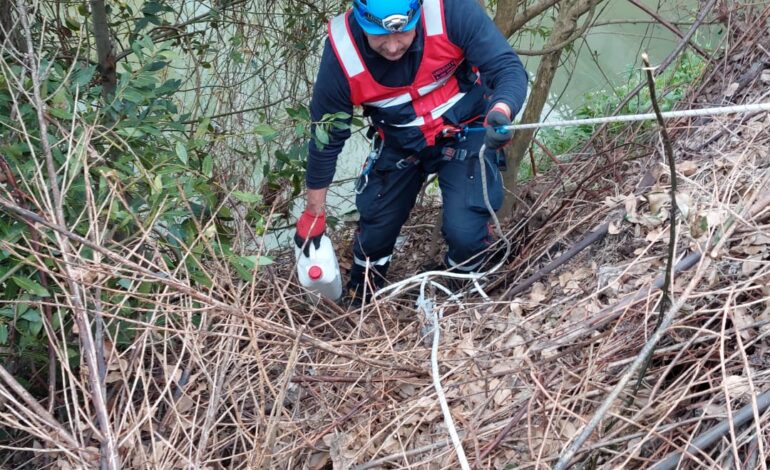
(104,50)
(505,14)
(509,19)
(10,34)
(563,30)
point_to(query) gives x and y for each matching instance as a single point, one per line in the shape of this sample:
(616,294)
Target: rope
(426,305)
(745,108)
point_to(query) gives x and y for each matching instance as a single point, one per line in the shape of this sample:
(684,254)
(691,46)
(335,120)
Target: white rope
(744,108)
(426,305)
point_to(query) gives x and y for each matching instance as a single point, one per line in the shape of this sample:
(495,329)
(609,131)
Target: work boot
(358,292)
(351,299)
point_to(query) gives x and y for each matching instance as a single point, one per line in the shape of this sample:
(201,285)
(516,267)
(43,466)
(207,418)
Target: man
(424,71)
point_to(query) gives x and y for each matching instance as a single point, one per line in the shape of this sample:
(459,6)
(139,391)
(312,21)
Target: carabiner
(371,159)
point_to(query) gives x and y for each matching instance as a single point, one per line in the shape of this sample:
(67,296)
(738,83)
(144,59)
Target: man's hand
(310,228)
(497,117)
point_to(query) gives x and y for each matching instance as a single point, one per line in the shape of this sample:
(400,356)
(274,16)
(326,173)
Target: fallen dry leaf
(684,204)
(656,200)
(751,265)
(687,168)
(539,293)
(743,322)
(737,385)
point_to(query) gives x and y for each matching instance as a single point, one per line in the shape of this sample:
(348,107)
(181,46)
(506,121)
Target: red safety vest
(435,89)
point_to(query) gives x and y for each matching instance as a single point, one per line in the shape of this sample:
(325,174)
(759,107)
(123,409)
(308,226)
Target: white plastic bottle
(320,272)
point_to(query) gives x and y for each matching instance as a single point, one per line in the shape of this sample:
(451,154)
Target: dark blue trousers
(392,188)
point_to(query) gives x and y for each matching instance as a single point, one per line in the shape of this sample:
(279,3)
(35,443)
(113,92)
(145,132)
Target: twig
(354,380)
(666,298)
(567,455)
(267,450)
(663,65)
(42,413)
(587,241)
(608,314)
(160,277)
(22,198)
(503,433)
(670,26)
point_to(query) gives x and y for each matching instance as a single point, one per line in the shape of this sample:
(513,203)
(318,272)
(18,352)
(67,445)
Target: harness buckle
(406,162)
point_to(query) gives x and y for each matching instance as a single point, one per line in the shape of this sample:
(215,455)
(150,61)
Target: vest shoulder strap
(433,11)
(344,46)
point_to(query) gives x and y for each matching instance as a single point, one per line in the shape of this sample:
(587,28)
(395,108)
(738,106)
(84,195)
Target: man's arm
(331,94)
(316,200)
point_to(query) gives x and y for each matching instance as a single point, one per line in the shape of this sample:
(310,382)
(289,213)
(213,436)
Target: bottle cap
(315,272)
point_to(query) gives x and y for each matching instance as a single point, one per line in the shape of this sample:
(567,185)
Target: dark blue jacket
(468,27)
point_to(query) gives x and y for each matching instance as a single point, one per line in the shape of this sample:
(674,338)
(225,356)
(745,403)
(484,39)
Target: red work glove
(310,227)
(498,116)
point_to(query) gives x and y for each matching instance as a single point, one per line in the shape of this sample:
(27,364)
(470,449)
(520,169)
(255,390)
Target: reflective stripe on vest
(345,47)
(434,17)
(435,88)
(435,113)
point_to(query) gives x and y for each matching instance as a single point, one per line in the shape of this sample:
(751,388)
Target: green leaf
(255,261)
(157,184)
(155,66)
(208,166)
(203,127)
(181,152)
(31,286)
(133,95)
(321,135)
(60,113)
(264,130)
(152,8)
(130,132)
(82,77)
(3,333)
(35,328)
(246,197)
(32,316)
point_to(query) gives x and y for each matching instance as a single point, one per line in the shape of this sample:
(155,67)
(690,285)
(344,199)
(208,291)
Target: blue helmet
(387,16)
